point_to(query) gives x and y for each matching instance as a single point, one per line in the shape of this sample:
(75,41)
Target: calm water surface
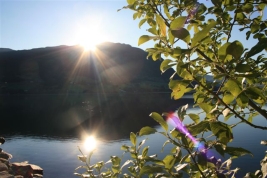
(57,154)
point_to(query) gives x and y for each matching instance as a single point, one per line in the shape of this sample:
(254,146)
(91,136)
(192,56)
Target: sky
(27,24)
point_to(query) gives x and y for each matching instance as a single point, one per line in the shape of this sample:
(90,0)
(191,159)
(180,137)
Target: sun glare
(90,36)
(90,143)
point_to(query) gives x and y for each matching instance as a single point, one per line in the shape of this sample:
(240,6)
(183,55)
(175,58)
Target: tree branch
(189,152)
(224,79)
(209,60)
(263,112)
(156,10)
(251,103)
(226,105)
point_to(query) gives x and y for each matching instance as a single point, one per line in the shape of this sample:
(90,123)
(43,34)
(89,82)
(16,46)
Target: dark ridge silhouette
(67,69)
(5,49)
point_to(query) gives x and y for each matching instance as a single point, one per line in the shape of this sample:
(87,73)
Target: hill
(5,49)
(68,69)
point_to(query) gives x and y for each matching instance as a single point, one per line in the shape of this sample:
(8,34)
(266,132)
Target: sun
(90,36)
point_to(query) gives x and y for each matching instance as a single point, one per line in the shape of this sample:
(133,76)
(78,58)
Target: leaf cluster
(187,157)
(198,41)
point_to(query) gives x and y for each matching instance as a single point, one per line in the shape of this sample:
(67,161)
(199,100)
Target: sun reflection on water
(90,143)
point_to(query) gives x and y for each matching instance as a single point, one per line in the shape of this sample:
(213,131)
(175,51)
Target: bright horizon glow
(90,143)
(89,35)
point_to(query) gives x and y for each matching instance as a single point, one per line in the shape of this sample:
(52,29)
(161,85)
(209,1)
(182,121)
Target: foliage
(200,39)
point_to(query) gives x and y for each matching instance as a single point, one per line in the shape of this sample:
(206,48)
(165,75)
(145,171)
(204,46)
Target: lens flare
(192,12)
(176,122)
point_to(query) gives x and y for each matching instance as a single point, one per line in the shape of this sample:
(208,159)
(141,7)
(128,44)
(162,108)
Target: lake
(56,150)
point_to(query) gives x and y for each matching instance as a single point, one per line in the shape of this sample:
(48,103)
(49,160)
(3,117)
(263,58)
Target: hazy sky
(26,24)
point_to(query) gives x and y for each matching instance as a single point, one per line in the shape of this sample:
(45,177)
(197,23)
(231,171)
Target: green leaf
(254,28)
(223,54)
(237,151)
(141,144)
(182,111)
(177,94)
(242,68)
(194,117)
(180,167)
(147,131)
(261,6)
(184,140)
(175,133)
(126,163)
(202,160)
(130,2)
(178,85)
(222,131)
(251,116)
(158,118)
(131,169)
(248,33)
(169,161)
(225,112)
(166,11)
(161,24)
(82,158)
(149,169)
(219,148)
(115,169)
(185,74)
(198,128)
(203,33)
(145,151)
(133,138)
(240,16)
(217,3)
(124,147)
(165,143)
(228,98)
(256,94)
(89,156)
(248,7)
(141,22)
(206,107)
(235,49)
(261,45)
(242,100)
(178,22)
(153,30)
(135,15)
(186,158)
(228,117)
(115,160)
(233,87)
(177,51)
(171,37)
(182,34)
(165,65)
(143,39)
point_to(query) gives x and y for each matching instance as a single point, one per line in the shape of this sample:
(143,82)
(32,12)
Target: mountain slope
(66,69)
